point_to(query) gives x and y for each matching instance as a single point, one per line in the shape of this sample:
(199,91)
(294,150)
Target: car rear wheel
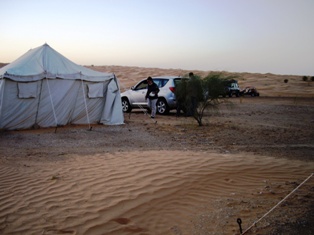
(126,107)
(162,106)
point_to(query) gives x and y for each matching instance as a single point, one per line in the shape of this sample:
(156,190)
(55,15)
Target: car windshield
(234,85)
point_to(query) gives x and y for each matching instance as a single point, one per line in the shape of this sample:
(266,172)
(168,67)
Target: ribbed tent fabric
(42,88)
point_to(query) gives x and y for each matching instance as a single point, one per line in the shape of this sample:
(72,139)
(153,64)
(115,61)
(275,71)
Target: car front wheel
(162,106)
(126,107)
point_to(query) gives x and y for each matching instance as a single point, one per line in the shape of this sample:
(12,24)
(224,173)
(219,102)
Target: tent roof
(44,62)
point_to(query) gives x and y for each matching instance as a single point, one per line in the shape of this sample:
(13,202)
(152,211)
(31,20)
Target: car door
(138,93)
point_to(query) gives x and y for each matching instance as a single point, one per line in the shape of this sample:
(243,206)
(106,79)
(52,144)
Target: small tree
(197,94)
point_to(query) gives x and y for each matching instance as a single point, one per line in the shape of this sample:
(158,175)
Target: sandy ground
(171,177)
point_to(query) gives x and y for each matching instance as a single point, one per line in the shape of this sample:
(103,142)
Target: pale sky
(262,36)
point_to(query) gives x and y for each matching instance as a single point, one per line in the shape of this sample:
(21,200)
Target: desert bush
(286,81)
(197,94)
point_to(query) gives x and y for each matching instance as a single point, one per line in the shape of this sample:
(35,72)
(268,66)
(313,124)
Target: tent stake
(239,221)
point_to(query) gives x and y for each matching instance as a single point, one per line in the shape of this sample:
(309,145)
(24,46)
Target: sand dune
(99,182)
(151,192)
(267,84)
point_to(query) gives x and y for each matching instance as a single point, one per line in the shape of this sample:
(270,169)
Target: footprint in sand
(122,220)
(130,228)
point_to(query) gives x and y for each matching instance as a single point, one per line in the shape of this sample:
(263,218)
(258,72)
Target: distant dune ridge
(267,84)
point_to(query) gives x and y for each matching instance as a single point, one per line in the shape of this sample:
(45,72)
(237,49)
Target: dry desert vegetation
(169,177)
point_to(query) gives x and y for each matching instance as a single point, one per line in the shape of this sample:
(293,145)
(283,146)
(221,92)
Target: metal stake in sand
(146,113)
(239,221)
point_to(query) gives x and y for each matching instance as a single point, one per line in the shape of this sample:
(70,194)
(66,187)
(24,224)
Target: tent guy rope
(277,204)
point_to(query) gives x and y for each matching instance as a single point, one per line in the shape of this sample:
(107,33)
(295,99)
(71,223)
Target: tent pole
(2,84)
(39,99)
(90,128)
(53,109)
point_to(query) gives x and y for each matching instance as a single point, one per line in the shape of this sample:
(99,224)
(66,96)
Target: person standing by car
(194,94)
(181,93)
(152,95)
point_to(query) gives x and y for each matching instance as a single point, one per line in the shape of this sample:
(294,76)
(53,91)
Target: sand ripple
(155,192)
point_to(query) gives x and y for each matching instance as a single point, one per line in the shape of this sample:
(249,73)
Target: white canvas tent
(42,88)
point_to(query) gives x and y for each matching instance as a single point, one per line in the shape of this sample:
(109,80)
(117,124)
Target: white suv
(135,97)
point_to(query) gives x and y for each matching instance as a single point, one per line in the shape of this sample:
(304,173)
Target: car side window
(164,82)
(160,82)
(142,85)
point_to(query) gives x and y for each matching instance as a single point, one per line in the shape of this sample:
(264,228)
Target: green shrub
(304,78)
(197,94)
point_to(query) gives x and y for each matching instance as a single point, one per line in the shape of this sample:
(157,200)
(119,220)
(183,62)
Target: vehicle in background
(135,97)
(250,90)
(232,88)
